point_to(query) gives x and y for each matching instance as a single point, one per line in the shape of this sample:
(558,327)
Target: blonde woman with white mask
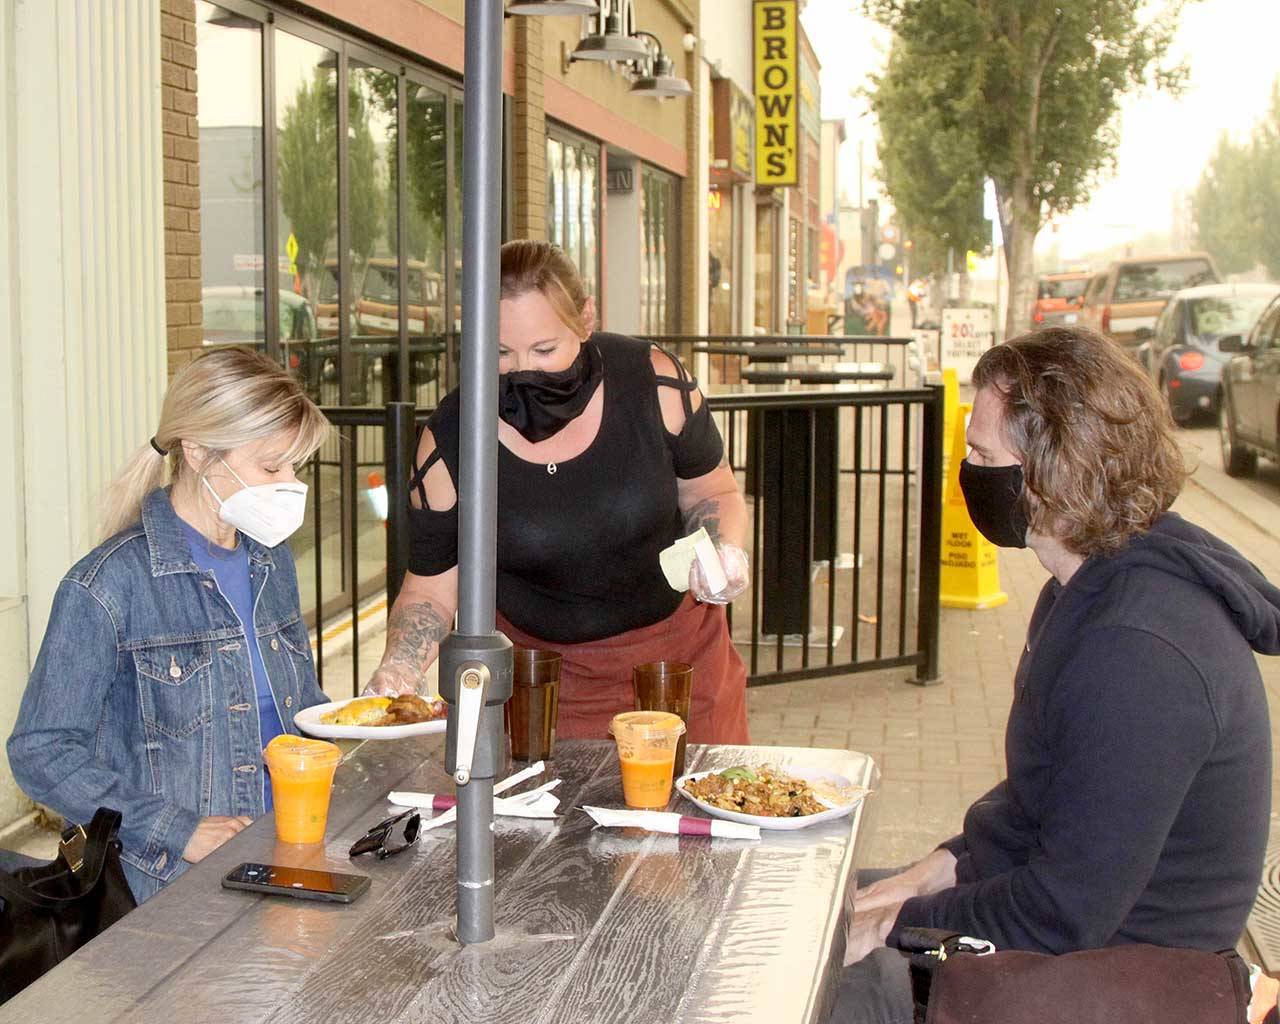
(176,648)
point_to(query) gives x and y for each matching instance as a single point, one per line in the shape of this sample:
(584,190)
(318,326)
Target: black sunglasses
(375,840)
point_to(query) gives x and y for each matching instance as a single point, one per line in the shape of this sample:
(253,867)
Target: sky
(1234,56)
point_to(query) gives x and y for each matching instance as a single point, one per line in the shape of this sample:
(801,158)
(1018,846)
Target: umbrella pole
(475,660)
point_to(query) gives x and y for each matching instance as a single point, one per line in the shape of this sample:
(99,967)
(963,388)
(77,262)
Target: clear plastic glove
(737,571)
(390,681)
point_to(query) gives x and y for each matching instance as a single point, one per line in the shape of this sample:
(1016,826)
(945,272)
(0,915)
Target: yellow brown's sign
(777,82)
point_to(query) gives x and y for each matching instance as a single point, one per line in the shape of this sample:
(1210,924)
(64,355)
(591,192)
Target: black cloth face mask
(993,495)
(540,404)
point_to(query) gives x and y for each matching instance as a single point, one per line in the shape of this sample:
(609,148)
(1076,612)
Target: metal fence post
(397,447)
(931,497)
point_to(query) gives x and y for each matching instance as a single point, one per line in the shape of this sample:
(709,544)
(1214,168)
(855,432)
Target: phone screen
(296,881)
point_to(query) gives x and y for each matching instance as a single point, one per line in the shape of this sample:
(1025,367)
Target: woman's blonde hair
(529,266)
(224,399)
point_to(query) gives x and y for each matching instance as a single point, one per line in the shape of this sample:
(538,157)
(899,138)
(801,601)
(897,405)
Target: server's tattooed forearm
(412,631)
(705,514)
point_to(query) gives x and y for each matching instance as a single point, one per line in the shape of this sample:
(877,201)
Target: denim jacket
(142,696)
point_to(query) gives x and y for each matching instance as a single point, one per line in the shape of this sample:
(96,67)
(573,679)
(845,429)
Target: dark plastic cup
(532,710)
(665,686)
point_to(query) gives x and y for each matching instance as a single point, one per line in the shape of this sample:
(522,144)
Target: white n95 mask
(269,513)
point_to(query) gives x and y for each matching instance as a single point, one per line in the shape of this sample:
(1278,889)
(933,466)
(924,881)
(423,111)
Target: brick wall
(181,181)
(529,131)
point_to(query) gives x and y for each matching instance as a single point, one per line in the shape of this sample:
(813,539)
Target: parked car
(1059,298)
(1182,351)
(1132,293)
(235,315)
(1249,412)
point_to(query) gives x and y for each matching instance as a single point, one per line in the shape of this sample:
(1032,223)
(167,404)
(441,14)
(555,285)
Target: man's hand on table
(212,833)
(867,930)
(876,906)
(932,874)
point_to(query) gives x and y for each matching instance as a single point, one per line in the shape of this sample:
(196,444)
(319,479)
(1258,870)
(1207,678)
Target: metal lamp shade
(663,82)
(661,86)
(612,45)
(553,7)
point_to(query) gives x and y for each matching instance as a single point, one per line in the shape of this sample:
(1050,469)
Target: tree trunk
(1020,217)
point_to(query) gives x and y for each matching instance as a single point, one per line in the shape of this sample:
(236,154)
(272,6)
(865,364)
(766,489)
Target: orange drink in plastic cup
(646,752)
(301,781)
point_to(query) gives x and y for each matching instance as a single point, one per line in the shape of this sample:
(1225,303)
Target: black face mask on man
(993,495)
(539,404)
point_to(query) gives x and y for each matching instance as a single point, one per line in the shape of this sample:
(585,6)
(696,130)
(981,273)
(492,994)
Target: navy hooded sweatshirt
(1138,748)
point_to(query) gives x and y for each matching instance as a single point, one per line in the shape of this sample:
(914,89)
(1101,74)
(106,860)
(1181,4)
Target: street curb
(1234,510)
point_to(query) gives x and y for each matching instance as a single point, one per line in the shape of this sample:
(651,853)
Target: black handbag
(960,980)
(52,910)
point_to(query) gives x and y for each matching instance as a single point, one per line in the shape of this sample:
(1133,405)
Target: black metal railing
(726,366)
(344,574)
(844,495)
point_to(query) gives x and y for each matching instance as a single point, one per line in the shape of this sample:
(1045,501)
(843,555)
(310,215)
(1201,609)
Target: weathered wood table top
(593,925)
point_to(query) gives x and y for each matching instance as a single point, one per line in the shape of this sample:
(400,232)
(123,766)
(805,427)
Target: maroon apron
(595,677)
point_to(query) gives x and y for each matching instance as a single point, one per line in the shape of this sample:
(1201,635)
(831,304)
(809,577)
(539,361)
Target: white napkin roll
(671,823)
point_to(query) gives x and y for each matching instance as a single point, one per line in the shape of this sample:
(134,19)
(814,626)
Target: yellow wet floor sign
(970,574)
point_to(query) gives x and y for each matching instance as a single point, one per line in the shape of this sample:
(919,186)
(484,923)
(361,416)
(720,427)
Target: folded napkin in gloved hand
(674,824)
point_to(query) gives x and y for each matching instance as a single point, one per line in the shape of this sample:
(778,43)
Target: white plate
(308,721)
(780,824)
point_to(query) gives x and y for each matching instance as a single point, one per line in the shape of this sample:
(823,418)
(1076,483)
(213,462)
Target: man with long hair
(1138,747)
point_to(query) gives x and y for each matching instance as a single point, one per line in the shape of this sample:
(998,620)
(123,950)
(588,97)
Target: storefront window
(721,272)
(573,203)
(230,150)
(659,253)
(306,243)
(795,298)
(766,257)
(374,239)
(273,273)
(426,152)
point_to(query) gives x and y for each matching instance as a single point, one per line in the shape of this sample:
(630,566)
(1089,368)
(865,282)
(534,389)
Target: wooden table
(594,925)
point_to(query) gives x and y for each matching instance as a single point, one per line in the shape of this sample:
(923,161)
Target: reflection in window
(659,290)
(720,263)
(372,96)
(307,182)
(459,173)
(425,135)
(766,233)
(229,51)
(573,204)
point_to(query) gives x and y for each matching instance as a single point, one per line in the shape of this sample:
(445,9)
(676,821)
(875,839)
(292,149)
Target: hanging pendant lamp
(611,44)
(553,7)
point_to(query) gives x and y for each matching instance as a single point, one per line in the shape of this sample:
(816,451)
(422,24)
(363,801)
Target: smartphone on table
(300,883)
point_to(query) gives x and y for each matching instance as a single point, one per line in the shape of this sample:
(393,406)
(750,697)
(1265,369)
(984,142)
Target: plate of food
(767,796)
(373,718)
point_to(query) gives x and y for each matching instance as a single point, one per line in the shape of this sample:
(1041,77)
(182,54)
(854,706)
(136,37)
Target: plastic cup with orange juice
(647,743)
(301,781)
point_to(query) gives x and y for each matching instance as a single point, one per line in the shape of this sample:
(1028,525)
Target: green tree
(1224,207)
(308,174)
(1034,86)
(1236,204)
(928,165)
